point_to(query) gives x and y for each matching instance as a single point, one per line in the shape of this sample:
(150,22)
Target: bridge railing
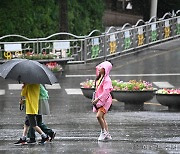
(95,45)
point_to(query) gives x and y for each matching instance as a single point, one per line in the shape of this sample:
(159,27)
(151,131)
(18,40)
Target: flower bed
(54,67)
(133,93)
(88,84)
(132,85)
(88,88)
(168,91)
(170,98)
(33,56)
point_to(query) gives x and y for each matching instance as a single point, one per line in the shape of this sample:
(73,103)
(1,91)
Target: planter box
(88,92)
(58,74)
(133,100)
(170,100)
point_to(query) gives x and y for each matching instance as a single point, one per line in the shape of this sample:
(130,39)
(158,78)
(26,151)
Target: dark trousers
(45,129)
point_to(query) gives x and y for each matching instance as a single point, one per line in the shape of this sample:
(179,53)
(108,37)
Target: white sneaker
(102,137)
(108,137)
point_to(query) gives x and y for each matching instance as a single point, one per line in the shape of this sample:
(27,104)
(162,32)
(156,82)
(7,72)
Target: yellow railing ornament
(112,44)
(167,32)
(167,29)
(18,53)
(112,47)
(140,39)
(140,36)
(7,55)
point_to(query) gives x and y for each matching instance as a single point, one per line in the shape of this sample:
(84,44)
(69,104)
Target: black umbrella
(27,71)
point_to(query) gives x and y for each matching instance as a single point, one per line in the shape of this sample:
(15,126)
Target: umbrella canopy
(27,71)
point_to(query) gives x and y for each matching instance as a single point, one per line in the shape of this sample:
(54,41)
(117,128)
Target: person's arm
(95,101)
(107,88)
(43,92)
(23,94)
(24,90)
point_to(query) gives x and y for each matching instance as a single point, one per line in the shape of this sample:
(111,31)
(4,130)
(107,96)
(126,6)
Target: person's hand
(22,100)
(95,101)
(23,85)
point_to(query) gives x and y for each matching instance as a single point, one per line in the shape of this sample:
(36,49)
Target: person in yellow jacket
(31,94)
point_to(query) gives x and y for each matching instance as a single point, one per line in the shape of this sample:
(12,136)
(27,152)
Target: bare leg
(100,116)
(105,124)
(43,135)
(25,130)
(38,129)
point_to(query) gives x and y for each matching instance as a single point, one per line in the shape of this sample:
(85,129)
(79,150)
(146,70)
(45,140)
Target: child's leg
(43,127)
(99,116)
(33,123)
(43,135)
(106,129)
(31,133)
(105,124)
(25,130)
(38,129)
(22,140)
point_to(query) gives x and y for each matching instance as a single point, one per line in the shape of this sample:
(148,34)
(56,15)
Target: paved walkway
(153,130)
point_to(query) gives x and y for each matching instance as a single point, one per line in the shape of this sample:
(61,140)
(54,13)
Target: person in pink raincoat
(103,99)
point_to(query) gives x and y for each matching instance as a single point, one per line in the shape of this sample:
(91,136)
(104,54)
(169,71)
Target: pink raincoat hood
(106,65)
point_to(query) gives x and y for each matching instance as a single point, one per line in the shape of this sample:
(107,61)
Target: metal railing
(103,45)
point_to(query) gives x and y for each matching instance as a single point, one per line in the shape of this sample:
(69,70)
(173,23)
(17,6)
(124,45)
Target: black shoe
(52,136)
(31,141)
(44,140)
(21,142)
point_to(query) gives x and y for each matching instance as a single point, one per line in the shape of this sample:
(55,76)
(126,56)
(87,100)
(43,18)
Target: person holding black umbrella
(24,70)
(43,110)
(31,94)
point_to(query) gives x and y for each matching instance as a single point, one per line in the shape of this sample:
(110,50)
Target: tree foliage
(85,16)
(31,18)
(40,18)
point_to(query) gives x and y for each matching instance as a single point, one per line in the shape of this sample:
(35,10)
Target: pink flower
(168,91)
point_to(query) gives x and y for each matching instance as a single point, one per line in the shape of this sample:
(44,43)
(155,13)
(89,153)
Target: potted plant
(55,68)
(133,93)
(88,88)
(170,98)
(39,56)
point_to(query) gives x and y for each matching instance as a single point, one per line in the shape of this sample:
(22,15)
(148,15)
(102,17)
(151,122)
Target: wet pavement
(154,130)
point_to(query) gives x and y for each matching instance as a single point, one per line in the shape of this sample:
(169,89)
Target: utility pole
(154,4)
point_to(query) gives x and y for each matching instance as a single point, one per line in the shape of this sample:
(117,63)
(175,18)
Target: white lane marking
(77,76)
(149,103)
(19,86)
(163,84)
(15,86)
(54,86)
(119,75)
(73,91)
(2,92)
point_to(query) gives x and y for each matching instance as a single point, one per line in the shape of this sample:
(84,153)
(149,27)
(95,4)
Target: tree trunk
(63,14)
